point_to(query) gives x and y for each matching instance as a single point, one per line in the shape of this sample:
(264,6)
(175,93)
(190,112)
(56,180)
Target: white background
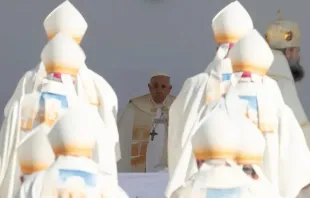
(128,40)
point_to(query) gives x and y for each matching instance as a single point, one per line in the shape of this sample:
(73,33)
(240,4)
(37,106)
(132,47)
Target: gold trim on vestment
(140,139)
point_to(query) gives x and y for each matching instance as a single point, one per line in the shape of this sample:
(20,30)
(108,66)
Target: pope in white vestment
(229,25)
(287,157)
(68,20)
(74,174)
(284,38)
(217,143)
(143,128)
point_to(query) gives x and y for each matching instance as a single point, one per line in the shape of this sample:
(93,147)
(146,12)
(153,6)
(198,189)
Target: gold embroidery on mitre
(29,167)
(226,38)
(74,150)
(245,67)
(246,158)
(61,68)
(206,154)
(288,36)
(77,39)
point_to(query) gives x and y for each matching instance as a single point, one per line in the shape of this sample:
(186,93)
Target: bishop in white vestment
(143,128)
(216,143)
(229,25)
(43,106)
(47,105)
(66,19)
(284,38)
(74,173)
(250,157)
(287,157)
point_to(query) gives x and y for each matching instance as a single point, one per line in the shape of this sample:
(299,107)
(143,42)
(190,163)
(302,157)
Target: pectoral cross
(153,134)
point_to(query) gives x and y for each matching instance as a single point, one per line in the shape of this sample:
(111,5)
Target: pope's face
(293,58)
(159,88)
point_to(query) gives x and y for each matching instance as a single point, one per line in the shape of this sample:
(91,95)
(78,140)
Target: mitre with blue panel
(66,19)
(231,24)
(251,59)
(74,135)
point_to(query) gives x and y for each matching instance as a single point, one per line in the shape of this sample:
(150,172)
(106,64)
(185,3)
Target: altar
(144,185)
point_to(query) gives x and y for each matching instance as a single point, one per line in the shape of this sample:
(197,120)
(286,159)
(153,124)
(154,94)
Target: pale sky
(128,40)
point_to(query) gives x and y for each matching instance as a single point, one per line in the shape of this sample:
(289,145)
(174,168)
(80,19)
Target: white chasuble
(157,146)
(36,108)
(286,157)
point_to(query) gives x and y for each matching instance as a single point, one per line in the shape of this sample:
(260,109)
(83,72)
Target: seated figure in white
(74,173)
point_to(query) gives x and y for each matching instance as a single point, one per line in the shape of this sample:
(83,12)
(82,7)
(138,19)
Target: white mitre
(63,55)
(74,134)
(231,23)
(35,152)
(218,138)
(252,144)
(283,34)
(66,19)
(251,54)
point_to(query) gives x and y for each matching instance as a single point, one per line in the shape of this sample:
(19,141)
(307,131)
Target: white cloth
(262,187)
(280,71)
(32,101)
(108,108)
(287,156)
(185,109)
(156,146)
(71,175)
